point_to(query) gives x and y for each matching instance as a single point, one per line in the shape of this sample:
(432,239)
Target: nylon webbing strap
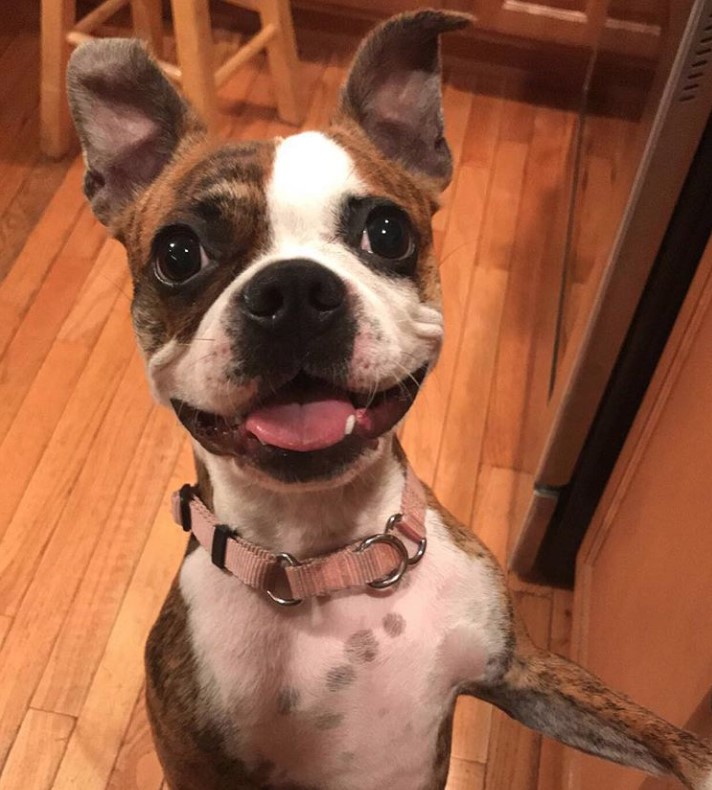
(379,560)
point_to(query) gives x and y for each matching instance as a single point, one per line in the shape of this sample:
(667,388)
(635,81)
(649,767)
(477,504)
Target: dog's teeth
(350,423)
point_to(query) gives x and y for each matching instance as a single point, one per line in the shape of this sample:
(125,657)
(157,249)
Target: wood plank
(324,92)
(84,634)
(520,382)
(26,185)
(513,760)
(466,404)
(22,154)
(466,413)
(97,738)
(68,452)
(54,300)
(5,623)
(233,98)
(465,775)
(137,766)
(24,279)
(18,90)
(471,730)
(457,105)
(251,104)
(39,586)
(258,114)
(26,209)
(552,765)
(554,755)
(423,427)
(37,751)
(561,615)
(491,518)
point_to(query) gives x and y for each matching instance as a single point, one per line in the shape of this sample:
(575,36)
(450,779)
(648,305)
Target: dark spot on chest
(328,721)
(340,677)
(287,700)
(361,647)
(394,624)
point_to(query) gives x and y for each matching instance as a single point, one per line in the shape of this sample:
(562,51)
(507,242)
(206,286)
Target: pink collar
(379,561)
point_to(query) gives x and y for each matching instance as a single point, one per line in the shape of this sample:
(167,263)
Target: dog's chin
(308,432)
(320,472)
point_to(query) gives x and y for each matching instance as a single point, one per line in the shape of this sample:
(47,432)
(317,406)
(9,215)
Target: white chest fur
(347,692)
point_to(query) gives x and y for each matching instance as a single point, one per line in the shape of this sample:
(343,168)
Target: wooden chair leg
(283,60)
(148,23)
(55,129)
(191,21)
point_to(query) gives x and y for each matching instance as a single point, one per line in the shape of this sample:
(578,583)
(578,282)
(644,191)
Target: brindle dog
(286,299)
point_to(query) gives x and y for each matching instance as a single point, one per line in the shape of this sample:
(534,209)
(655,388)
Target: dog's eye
(178,256)
(387,234)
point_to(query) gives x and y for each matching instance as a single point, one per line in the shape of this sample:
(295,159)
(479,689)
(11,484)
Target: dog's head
(285,291)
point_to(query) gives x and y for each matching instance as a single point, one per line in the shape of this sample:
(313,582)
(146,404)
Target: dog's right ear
(129,118)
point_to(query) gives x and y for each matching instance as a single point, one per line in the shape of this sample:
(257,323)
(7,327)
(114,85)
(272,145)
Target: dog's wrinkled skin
(355,691)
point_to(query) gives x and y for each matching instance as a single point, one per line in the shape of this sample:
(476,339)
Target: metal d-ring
(419,552)
(285,559)
(395,519)
(397,574)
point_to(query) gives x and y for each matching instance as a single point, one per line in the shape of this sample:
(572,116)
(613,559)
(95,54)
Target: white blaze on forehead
(310,178)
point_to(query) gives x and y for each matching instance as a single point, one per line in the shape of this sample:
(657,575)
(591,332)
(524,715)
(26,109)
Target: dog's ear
(129,118)
(393,90)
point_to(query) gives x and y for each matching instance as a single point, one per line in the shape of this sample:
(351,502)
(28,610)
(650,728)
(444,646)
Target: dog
(328,611)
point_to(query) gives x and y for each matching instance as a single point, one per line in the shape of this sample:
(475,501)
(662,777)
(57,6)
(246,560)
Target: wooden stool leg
(283,60)
(191,20)
(148,23)
(57,19)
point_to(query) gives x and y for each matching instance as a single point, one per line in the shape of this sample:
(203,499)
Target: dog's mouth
(304,417)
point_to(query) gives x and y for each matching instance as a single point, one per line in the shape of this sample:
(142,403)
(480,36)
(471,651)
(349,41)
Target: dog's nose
(294,296)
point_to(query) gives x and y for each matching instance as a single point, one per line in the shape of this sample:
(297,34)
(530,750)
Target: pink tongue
(302,427)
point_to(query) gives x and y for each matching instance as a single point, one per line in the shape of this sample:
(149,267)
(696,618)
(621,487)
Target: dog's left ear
(394,93)
(129,118)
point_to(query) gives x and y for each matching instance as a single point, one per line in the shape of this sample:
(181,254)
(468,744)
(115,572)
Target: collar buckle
(185,497)
(392,523)
(284,559)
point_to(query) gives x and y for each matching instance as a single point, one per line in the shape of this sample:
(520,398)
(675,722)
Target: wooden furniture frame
(196,72)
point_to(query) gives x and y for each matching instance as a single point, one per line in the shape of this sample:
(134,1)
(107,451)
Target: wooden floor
(87,547)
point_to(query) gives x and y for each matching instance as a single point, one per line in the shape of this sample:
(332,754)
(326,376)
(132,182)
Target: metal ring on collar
(422,543)
(419,552)
(285,559)
(397,574)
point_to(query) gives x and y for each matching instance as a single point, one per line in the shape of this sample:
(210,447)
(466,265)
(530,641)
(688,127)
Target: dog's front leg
(564,701)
